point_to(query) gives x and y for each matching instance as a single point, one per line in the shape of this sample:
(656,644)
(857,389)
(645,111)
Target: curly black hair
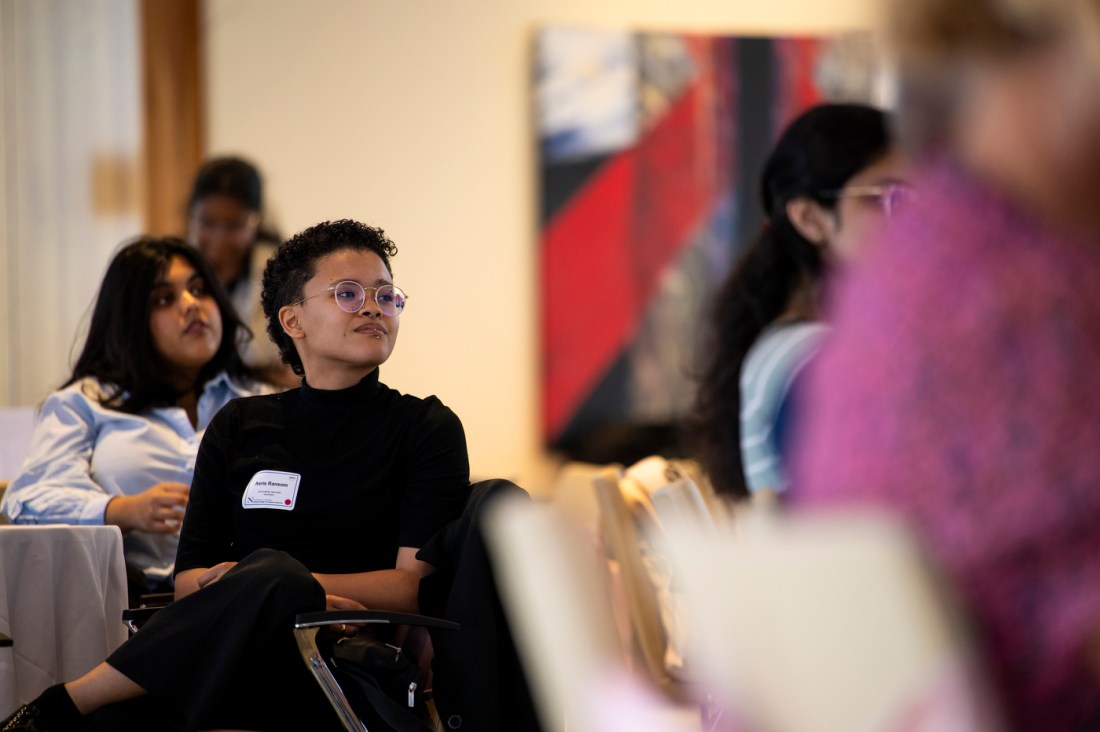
(295,263)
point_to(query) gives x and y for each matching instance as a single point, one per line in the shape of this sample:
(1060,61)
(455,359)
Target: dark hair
(294,264)
(818,152)
(231,177)
(234,178)
(119,349)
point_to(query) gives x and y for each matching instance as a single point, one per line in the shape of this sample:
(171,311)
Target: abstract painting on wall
(650,146)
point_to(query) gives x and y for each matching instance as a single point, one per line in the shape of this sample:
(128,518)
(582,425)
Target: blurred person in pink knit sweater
(960,387)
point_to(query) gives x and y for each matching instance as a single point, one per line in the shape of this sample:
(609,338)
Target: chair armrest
(308,625)
(365,617)
(135,617)
(156,599)
(4,641)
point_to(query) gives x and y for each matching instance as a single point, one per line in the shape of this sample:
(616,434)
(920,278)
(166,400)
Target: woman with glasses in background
(828,185)
(117,443)
(315,497)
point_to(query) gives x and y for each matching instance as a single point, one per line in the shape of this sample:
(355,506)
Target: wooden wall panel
(173,108)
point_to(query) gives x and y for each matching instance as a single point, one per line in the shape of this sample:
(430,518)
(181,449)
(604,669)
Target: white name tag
(272,489)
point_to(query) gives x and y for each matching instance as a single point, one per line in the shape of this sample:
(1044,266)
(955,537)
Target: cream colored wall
(415,115)
(70,185)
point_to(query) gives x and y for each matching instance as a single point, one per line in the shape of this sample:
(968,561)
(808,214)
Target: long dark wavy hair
(119,349)
(818,152)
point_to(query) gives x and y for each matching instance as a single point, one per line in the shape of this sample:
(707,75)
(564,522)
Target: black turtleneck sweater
(379,470)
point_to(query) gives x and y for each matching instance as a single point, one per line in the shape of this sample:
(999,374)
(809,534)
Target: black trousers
(225,656)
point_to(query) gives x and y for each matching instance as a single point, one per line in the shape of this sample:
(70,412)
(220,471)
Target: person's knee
(282,578)
(272,560)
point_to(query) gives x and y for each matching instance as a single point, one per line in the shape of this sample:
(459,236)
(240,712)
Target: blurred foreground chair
(553,589)
(573,492)
(828,623)
(634,508)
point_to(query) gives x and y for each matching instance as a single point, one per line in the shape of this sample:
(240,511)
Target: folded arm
(385,589)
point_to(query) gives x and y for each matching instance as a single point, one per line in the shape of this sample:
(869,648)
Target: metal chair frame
(306,627)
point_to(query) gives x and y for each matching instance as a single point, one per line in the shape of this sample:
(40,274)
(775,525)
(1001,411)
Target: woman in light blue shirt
(117,443)
(827,186)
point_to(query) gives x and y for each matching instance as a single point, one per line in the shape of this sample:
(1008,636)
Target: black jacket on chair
(477,678)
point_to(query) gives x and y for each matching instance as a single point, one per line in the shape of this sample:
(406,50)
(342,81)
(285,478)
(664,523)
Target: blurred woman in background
(959,385)
(225,223)
(830,180)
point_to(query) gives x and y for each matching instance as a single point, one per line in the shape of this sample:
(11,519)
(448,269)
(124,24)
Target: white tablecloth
(62,593)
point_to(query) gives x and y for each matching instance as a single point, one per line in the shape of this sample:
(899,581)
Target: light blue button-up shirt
(770,368)
(83,454)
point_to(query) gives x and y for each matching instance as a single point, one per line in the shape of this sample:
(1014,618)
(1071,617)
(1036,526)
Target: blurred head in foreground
(958,387)
(1011,88)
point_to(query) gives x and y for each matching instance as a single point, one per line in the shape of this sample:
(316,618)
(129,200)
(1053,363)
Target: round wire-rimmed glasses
(351,297)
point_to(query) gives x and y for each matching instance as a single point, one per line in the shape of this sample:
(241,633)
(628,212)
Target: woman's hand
(335,602)
(214,574)
(158,510)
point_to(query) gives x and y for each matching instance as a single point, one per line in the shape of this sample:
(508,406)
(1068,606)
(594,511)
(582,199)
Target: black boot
(52,711)
(27,718)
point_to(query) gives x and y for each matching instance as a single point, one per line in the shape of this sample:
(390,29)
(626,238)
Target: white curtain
(70,189)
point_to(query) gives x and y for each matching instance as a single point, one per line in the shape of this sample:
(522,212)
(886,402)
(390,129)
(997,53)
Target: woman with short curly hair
(316,497)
